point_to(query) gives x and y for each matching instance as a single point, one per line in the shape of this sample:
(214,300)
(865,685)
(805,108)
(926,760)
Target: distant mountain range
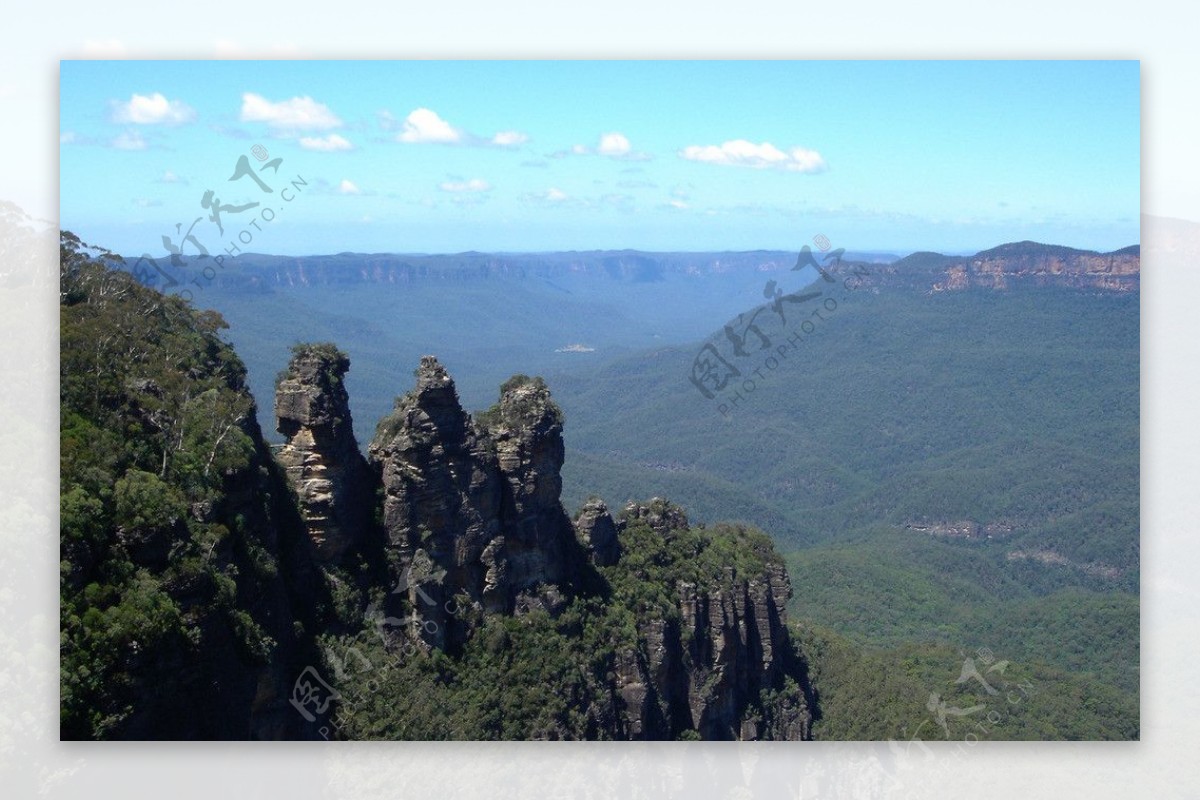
(1009,265)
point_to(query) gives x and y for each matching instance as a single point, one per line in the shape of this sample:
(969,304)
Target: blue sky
(533,156)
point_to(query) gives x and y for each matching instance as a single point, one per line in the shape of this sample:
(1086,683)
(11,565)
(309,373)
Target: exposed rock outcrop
(321,455)
(718,669)
(474,527)
(471,509)
(1032,264)
(597,531)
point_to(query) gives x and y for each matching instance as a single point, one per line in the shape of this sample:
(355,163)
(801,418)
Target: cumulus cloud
(424,125)
(473,185)
(328,144)
(510,138)
(614,144)
(765,156)
(298,113)
(169,177)
(152,109)
(347,187)
(129,140)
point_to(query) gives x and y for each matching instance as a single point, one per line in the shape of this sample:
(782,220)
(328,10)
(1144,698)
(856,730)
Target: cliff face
(470,508)
(596,531)
(1030,264)
(207,587)
(321,456)
(710,669)
(186,580)
(474,527)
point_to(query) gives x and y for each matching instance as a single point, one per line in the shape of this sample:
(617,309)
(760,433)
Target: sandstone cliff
(712,668)
(1032,264)
(321,455)
(470,508)
(475,528)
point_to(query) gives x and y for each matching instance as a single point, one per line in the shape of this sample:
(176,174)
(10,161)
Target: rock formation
(1031,264)
(321,455)
(708,671)
(473,526)
(470,508)
(596,530)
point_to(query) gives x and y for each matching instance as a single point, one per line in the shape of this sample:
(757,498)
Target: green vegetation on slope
(926,692)
(903,412)
(550,676)
(171,588)
(958,469)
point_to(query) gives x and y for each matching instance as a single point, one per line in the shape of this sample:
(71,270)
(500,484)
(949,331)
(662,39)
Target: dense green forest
(958,469)
(170,579)
(549,676)
(928,692)
(948,475)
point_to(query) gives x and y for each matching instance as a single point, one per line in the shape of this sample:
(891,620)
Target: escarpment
(214,590)
(474,530)
(721,646)
(1021,264)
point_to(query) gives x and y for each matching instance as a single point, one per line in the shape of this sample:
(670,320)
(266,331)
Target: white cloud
(677,204)
(169,177)
(347,187)
(424,125)
(473,185)
(614,144)
(743,153)
(510,138)
(152,110)
(327,144)
(298,113)
(66,137)
(129,140)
